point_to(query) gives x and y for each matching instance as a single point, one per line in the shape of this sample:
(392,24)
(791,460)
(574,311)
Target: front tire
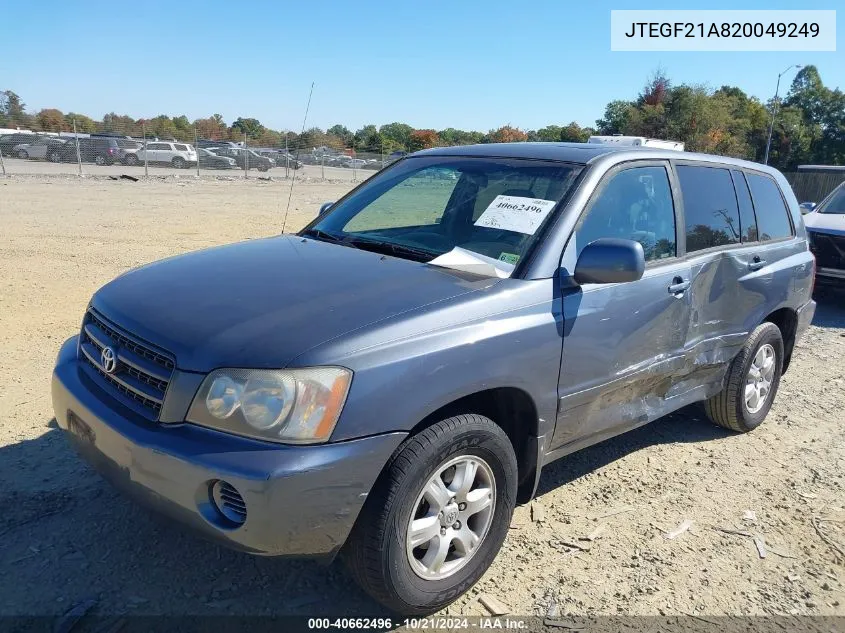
(131,160)
(22,154)
(99,159)
(752,382)
(54,157)
(436,517)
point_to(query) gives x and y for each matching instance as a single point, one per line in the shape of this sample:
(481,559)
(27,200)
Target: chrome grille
(141,373)
(829,249)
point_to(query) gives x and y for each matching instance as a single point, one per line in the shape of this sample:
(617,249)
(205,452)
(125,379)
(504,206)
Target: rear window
(710,208)
(835,203)
(181,148)
(129,144)
(772,215)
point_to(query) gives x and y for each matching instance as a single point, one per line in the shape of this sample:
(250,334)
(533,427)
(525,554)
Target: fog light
(228,502)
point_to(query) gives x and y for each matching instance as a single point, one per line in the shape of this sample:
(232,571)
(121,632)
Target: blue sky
(434,64)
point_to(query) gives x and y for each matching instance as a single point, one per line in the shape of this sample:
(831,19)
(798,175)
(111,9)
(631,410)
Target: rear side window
(182,148)
(710,208)
(772,215)
(747,221)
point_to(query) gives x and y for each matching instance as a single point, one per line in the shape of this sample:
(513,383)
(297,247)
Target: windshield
(426,207)
(835,203)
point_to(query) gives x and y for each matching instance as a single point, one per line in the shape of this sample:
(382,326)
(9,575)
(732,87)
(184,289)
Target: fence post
(246,159)
(78,156)
(354,159)
(146,160)
(2,164)
(197,150)
(323,166)
(287,156)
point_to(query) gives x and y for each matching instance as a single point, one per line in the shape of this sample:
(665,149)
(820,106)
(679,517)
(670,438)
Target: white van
(637,141)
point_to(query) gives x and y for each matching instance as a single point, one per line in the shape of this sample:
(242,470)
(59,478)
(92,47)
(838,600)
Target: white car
(36,149)
(180,155)
(826,232)
(354,163)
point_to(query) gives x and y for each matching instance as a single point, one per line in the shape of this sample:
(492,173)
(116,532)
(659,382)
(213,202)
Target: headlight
(298,406)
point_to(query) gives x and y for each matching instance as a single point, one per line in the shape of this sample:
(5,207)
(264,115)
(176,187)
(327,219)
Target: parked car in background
(826,232)
(40,149)
(244,157)
(446,339)
(179,155)
(208,143)
(210,160)
(101,150)
(354,163)
(9,141)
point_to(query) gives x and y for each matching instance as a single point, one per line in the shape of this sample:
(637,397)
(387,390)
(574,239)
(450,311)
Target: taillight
(111,150)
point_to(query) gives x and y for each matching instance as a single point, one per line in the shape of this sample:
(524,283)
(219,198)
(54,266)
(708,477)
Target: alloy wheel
(758,381)
(451,517)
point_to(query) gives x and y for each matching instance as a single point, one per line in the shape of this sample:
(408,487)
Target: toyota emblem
(108,359)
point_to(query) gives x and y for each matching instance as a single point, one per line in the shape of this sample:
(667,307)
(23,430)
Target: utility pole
(775,111)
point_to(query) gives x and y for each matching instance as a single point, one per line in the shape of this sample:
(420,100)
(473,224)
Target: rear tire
(406,575)
(54,157)
(178,163)
(752,382)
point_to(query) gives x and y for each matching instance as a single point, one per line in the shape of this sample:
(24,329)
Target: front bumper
(300,500)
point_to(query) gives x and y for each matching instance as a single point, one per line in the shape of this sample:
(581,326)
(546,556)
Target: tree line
(809,128)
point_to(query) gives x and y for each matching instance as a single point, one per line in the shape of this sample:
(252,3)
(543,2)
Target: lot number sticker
(512,213)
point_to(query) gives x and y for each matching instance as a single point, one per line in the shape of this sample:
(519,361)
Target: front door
(623,343)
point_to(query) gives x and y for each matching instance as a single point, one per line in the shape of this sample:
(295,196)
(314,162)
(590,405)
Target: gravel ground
(71,537)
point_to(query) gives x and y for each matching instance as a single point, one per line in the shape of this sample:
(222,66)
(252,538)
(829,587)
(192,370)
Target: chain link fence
(120,146)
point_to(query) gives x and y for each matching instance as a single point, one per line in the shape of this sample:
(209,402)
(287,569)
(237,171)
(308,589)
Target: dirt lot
(70,537)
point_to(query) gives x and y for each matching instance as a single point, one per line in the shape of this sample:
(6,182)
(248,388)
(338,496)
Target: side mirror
(806,207)
(324,208)
(610,260)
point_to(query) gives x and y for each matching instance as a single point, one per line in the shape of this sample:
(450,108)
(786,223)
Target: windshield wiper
(325,236)
(392,248)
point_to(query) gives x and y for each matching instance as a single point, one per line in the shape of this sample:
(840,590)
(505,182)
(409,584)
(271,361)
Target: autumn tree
(507,134)
(213,128)
(423,139)
(50,120)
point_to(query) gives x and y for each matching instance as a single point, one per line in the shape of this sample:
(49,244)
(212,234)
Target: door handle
(756,263)
(678,286)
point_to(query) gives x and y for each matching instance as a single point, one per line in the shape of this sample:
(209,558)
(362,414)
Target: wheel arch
(515,412)
(786,319)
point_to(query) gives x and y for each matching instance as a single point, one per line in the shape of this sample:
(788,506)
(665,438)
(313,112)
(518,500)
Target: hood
(264,302)
(825,222)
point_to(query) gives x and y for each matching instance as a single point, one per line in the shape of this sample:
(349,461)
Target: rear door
(623,343)
(736,276)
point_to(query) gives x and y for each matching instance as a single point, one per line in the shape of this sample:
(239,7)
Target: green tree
(251,127)
(13,111)
(616,116)
(84,124)
(398,133)
(342,133)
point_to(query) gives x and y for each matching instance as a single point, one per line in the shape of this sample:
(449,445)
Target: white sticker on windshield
(512,213)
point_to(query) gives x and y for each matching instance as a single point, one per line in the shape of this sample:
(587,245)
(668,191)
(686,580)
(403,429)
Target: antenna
(293,180)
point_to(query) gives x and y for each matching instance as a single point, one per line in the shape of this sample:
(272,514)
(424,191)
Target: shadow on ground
(830,307)
(72,537)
